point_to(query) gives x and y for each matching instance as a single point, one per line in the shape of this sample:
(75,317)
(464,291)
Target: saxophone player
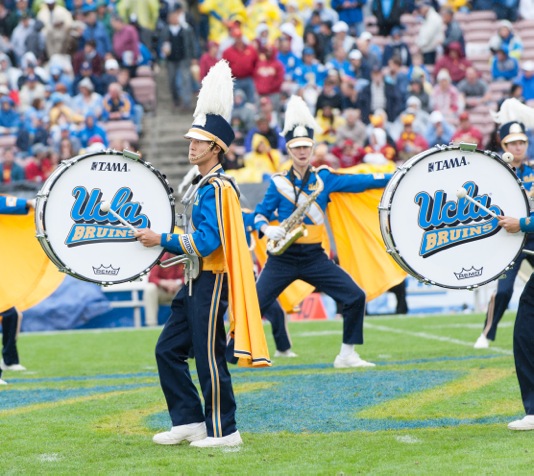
(289,195)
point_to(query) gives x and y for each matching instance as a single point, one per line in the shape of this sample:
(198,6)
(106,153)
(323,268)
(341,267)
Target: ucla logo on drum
(91,225)
(449,223)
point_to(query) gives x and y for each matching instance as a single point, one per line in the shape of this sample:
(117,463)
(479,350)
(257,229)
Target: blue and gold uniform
(197,320)
(13,206)
(500,300)
(10,317)
(306,259)
(215,235)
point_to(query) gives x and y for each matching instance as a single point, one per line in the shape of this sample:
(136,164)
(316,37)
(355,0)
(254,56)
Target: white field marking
(469,326)
(316,333)
(231,449)
(49,457)
(407,439)
(426,335)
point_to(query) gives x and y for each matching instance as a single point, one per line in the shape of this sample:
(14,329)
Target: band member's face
(518,148)
(301,155)
(199,152)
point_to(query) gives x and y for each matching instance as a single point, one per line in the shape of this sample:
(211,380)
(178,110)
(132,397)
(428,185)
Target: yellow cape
(360,248)
(28,276)
(246,327)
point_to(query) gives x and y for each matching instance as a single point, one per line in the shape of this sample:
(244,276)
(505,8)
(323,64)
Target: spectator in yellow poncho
(262,11)
(260,163)
(222,13)
(330,120)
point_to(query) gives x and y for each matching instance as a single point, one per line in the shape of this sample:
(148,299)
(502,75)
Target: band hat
(514,118)
(512,131)
(211,119)
(299,124)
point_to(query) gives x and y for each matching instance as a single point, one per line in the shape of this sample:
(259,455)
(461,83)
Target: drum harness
(193,263)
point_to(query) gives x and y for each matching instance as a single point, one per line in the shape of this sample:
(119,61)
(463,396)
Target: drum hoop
(402,172)
(49,184)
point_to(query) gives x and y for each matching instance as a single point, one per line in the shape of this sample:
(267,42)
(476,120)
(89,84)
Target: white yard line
(426,335)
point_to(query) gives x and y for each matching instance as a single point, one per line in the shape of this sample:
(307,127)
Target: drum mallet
(462,193)
(507,157)
(106,208)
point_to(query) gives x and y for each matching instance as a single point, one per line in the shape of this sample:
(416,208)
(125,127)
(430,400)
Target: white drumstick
(106,208)
(462,193)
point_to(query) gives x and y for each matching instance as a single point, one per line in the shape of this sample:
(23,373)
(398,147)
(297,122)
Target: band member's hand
(147,237)
(31,203)
(510,224)
(274,232)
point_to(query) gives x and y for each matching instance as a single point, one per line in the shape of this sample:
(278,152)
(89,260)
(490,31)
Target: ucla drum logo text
(91,225)
(454,222)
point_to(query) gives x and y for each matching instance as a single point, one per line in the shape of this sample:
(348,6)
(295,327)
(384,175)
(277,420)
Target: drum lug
(467,147)
(131,155)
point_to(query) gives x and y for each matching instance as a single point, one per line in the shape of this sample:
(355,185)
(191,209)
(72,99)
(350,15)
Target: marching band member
(215,233)
(524,333)
(304,192)
(10,318)
(515,141)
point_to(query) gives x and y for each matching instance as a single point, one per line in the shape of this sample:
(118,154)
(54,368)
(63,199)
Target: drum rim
(49,184)
(394,182)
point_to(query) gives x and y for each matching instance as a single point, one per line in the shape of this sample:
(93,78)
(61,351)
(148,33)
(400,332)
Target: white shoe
(210,442)
(15,367)
(351,360)
(482,342)
(3,382)
(526,423)
(285,353)
(191,432)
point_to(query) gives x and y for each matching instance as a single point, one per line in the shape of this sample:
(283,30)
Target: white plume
(298,114)
(216,94)
(513,110)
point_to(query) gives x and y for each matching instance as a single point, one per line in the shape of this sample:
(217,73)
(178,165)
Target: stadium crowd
(66,67)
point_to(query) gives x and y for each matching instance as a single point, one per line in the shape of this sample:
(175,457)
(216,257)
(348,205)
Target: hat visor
(513,137)
(199,134)
(300,142)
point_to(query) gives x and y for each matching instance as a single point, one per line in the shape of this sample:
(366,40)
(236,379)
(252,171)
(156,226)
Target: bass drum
(87,243)
(448,241)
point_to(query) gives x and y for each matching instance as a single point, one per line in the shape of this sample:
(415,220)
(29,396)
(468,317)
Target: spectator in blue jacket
(503,66)
(351,12)
(9,117)
(526,80)
(90,130)
(95,30)
(10,171)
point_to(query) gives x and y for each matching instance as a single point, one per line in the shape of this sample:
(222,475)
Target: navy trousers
(524,346)
(10,322)
(197,321)
(311,264)
(505,288)
(277,317)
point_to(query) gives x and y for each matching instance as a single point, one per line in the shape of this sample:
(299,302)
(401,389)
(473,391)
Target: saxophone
(293,224)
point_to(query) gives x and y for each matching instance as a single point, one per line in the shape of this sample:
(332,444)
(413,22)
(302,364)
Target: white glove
(31,203)
(274,233)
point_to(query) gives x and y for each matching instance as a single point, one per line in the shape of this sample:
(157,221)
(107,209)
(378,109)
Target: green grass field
(90,403)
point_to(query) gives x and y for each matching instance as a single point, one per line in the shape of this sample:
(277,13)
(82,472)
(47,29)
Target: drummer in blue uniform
(304,190)
(524,332)
(215,235)
(515,141)
(11,317)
